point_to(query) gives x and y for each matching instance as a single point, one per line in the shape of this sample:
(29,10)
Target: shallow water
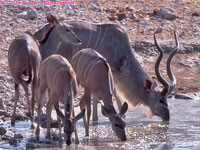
(183,131)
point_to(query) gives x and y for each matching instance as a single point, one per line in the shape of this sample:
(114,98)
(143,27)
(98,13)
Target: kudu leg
(95,109)
(15,104)
(59,123)
(83,102)
(88,104)
(38,122)
(28,105)
(75,130)
(48,112)
(33,88)
(39,99)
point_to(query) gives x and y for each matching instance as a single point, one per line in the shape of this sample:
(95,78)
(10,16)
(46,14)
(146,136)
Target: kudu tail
(70,92)
(28,72)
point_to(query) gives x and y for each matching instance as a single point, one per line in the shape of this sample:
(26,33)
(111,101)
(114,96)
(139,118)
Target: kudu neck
(50,46)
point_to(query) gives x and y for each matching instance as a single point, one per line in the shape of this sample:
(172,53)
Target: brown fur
(24,60)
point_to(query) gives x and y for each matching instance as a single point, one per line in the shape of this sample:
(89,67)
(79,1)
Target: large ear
(43,33)
(52,19)
(123,109)
(148,85)
(155,81)
(79,116)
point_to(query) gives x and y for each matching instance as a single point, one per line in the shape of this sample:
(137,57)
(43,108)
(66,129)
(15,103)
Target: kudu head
(158,100)
(69,124)
(118,123)
(62,32)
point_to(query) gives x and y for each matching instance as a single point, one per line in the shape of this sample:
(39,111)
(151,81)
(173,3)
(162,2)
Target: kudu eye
(164,103)
(68,30)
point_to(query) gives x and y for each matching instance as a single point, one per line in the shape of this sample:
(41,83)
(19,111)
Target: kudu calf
(94,74)
(58,76)
(24,60)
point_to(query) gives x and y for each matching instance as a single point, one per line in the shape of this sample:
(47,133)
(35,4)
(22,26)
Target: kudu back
(94,74)
(24,60)
(131,82)
(57,75)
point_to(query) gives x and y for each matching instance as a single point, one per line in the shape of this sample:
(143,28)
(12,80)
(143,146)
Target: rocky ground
(140,19)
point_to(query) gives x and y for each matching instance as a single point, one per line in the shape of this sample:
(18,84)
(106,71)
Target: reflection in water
(183,131)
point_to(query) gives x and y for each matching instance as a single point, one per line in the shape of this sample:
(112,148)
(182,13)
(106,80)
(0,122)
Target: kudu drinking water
(131,82)
(24,60)
(58,76)
(94,74)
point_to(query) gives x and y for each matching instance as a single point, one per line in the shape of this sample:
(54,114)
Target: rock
(2,107)
(121,15)
(29,14)
(95,8)
(18,136)
(112,17)
(54,124)
(8,135)
(132,16)
(96,2)
(179,96)
(4,113)
(178,1)
(165,13)
(2,131)
(12,141)
(195,14)
(182,34)
(31,146)
(130,8)
(61,18)
(159,30)
(21,118)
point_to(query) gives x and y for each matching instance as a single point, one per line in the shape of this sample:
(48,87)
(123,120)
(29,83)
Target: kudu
(131,82)
(94,74)
(58,76)
(24,60)
(52,35)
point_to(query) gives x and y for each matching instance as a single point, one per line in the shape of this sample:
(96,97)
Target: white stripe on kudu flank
(98,38)
(79,33)
(90,35)
(101,45)
(72,44)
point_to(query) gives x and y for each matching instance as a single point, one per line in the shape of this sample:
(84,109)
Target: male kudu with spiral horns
(131,81)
